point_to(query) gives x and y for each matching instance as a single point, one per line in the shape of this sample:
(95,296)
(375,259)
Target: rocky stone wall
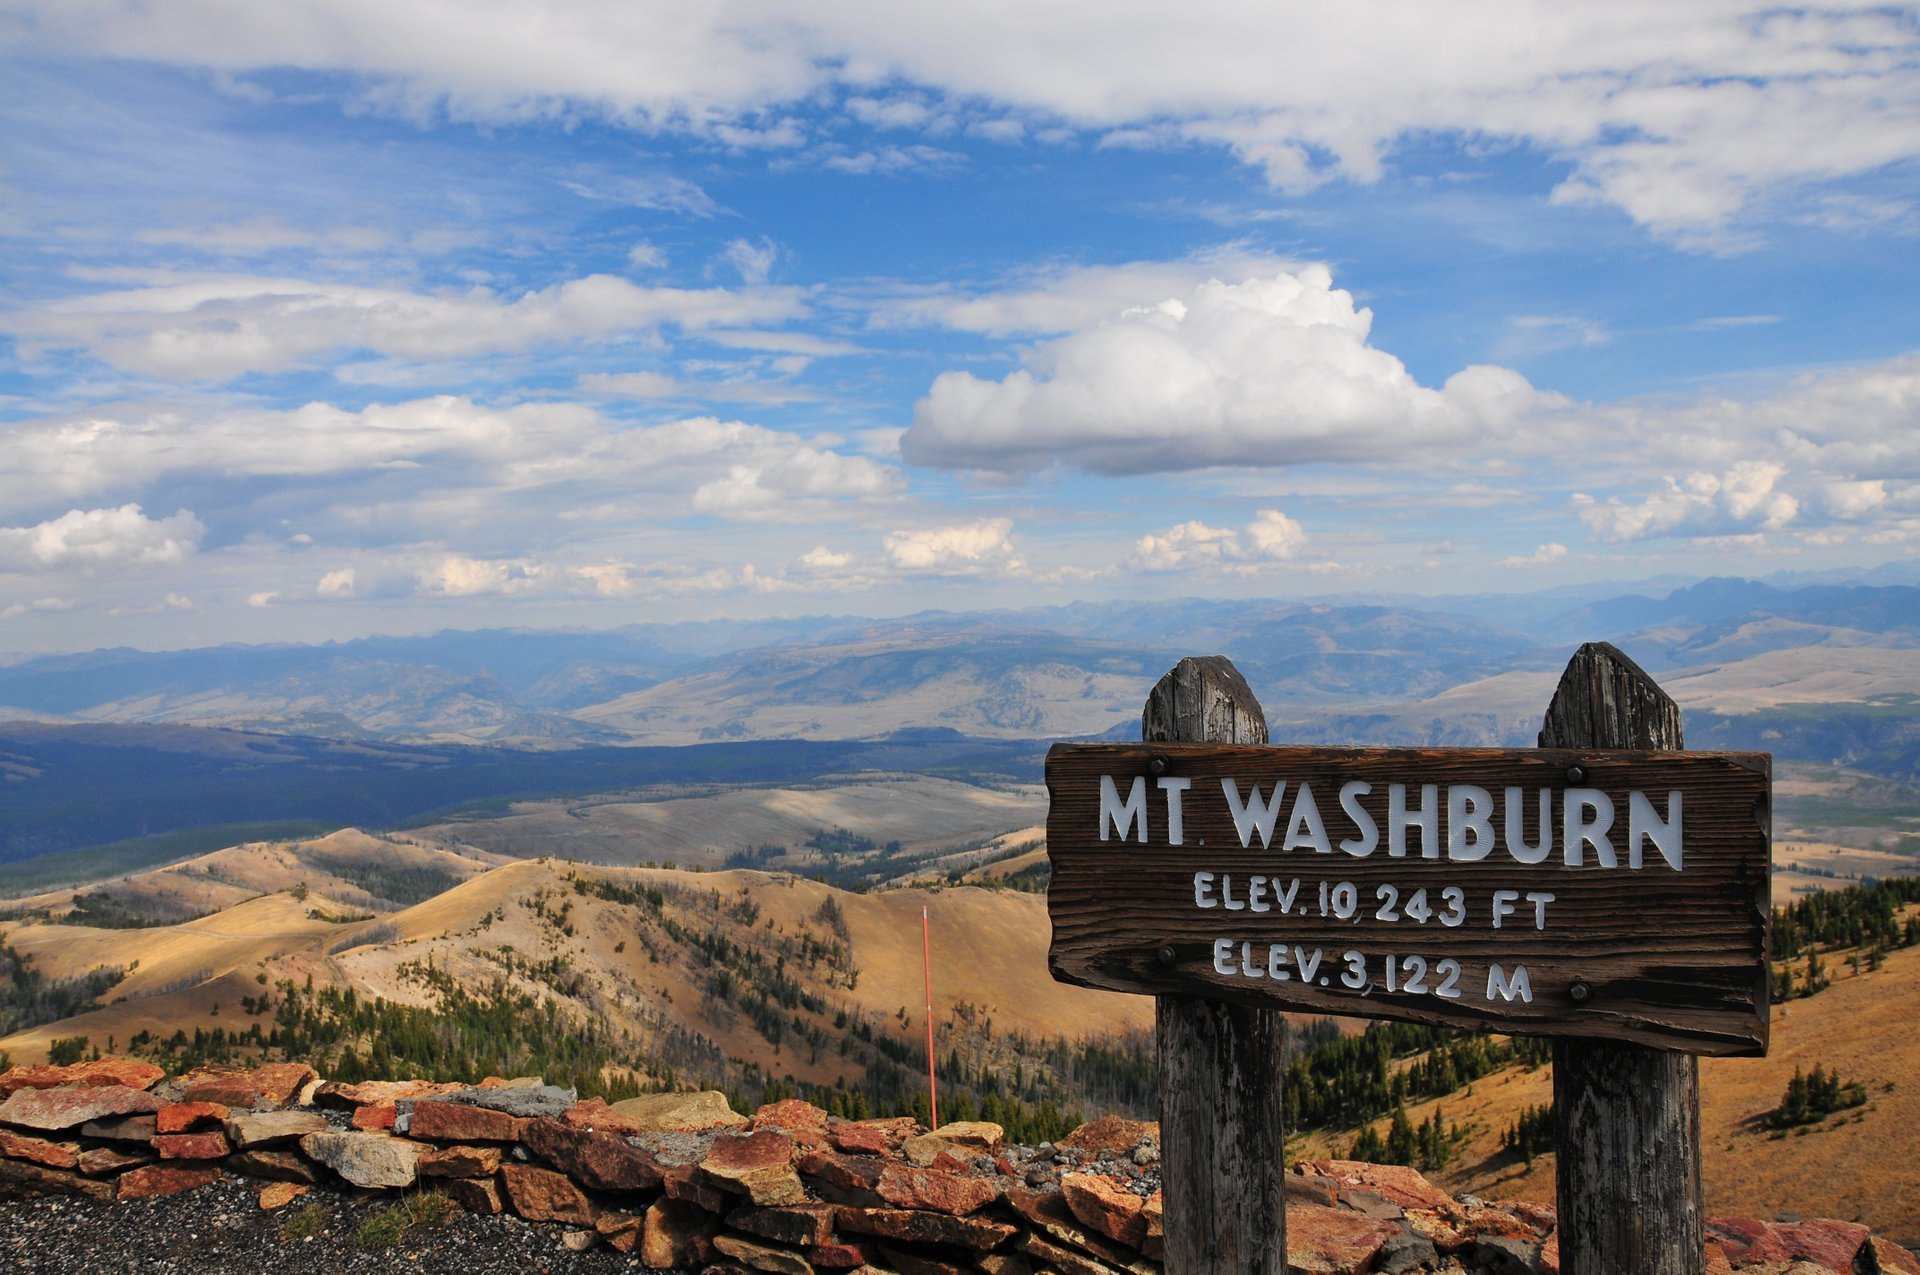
(682,1182)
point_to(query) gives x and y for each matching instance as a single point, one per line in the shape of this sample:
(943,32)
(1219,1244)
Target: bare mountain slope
(729,977)
(829,828)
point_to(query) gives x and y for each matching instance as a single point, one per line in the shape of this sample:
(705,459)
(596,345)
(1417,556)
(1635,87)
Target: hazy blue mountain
(1075,669)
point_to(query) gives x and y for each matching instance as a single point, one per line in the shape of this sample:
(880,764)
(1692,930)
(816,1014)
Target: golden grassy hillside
(1856,1165)
(725,976)
(701,828)
(341,866)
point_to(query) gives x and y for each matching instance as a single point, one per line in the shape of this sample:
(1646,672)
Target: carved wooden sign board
(1611,895)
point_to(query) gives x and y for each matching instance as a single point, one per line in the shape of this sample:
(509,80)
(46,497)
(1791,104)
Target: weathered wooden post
(1222,1131)
(1628,1124)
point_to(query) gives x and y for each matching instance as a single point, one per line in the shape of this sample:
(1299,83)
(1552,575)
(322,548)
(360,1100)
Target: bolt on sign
(1600,894)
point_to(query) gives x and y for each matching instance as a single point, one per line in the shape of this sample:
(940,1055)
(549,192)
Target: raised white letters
(1464,824)
(1587,817)
(1306,830)
(1176,822)
(1253,814)
(1369,839)
(1469,822)
(1399,819)
(1111,808)
(1664,833)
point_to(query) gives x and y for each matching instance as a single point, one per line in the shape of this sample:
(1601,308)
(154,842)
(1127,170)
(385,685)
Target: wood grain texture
(1629,1181)
(1695,980)
(1222,1065)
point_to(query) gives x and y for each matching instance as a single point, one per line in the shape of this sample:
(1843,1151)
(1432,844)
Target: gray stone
(1405,1252)
(1501,1255)
(527,1102)
(252,1129)
(365,1159)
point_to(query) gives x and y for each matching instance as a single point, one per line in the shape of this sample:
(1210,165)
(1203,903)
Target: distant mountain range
(1074,670)
(112,745)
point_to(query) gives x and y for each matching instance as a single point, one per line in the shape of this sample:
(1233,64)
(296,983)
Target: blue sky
(327,318)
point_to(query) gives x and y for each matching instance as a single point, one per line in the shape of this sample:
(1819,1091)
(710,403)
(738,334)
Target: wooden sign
(1611,895)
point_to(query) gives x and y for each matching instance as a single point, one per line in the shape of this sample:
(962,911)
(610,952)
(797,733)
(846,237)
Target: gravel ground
(221,1228)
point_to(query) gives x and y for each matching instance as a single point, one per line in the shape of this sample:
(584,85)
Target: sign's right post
(1628,1117)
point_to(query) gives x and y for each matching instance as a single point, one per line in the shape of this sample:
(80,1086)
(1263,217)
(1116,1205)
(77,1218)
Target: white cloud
(887,161)
(336,584)
(956,548)
(640,385)
(1545,555)
(86,539)
(617,579)
(732,468)
(821,558)
(772,490)
(658,386)
(261,601)
(1270,372)
(1680,115)
(1180,546)
(646,255)
(1721,322)
(457,576)
(1067,298)
(1270,537)
(1274,535)
(18,609)
(216,326)
(179,602)
(662,192)
(753,262)
(891,112)
(1743,499)
(80,455)
(807,343)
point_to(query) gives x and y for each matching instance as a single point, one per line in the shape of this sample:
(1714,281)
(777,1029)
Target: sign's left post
(1223,1132)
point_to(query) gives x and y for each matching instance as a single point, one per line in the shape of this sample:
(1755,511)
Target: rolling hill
(641,976)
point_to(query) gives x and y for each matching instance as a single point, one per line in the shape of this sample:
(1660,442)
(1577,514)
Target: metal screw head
(1158,765)
(1166,956)
(1579,992)
(1576,774)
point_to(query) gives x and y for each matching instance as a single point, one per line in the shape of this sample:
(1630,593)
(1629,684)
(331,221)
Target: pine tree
(1367,1147)
(1402,1142)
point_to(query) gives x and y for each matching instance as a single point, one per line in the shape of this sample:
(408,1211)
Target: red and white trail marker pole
(926,965)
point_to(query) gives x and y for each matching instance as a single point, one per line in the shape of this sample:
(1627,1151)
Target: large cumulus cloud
(1266,372)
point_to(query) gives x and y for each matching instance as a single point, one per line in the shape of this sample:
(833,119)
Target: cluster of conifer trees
(1813,1097)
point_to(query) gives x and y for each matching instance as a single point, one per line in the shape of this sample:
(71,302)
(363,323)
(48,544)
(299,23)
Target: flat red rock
(65,1108)
(1324,1241)
(1108,1208)
(943,1192)
(375,1116)
(280,1083)
(458,1122)
(38,1150)
(601,1161)
(459,1162)
(858,1139)
(1403,1186)
(191,1146)
(594,1113)
(178,1117)
(541,1195)
(164,1179)
(103,1071)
